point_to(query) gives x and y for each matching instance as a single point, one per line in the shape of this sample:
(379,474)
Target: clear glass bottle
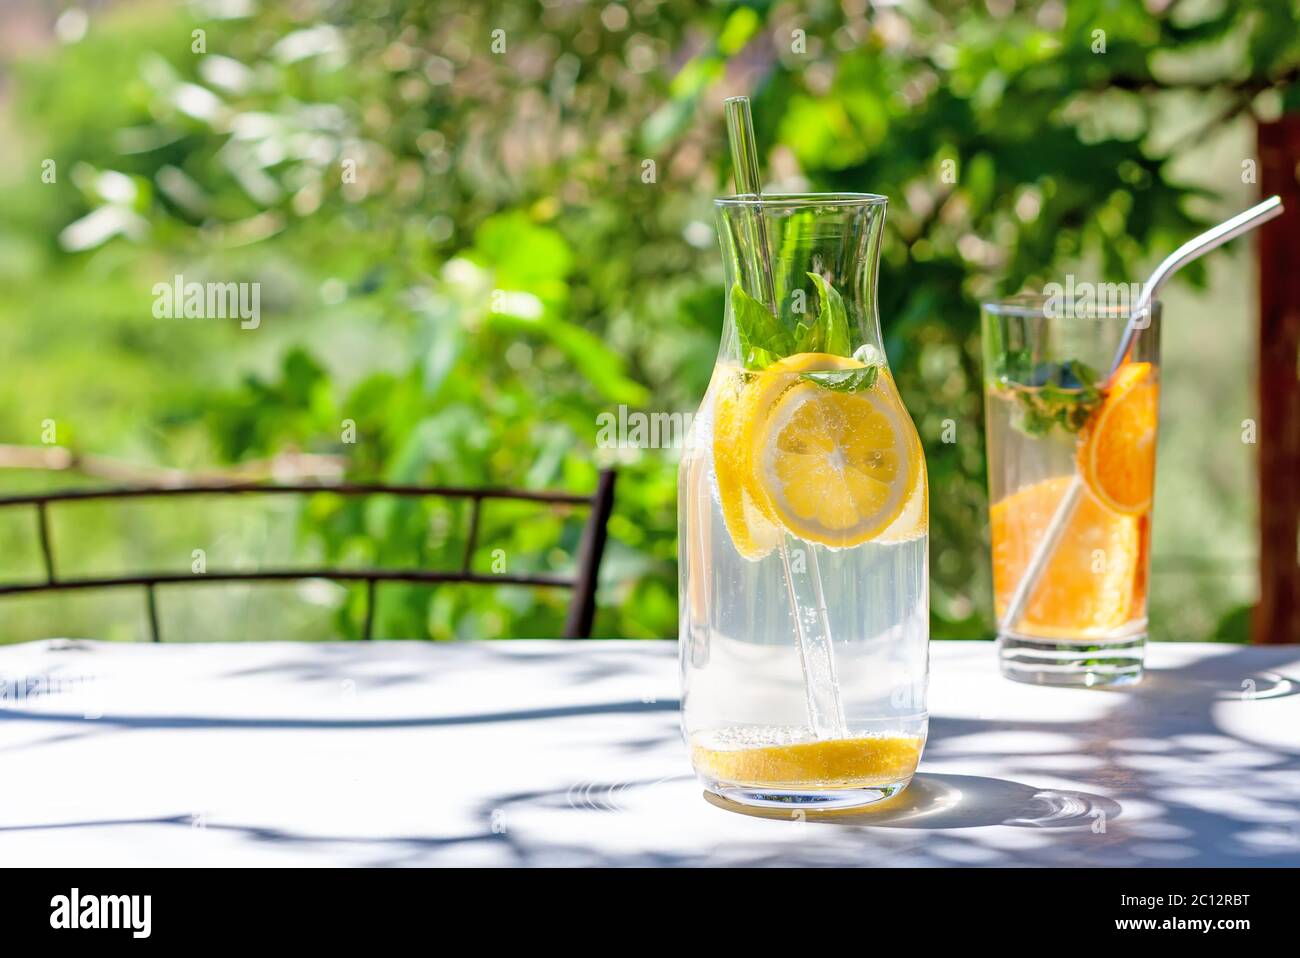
(803,522)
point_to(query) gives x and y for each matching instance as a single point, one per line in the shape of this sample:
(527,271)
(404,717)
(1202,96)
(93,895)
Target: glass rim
(1031,305)
(793,201)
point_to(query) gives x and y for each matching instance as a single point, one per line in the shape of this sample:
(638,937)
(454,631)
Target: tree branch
(1249,86)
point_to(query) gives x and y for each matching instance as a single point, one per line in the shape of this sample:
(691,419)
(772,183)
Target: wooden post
(1277,617)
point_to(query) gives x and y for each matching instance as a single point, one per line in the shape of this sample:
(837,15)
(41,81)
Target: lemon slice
(742,402)
(752,533)
(832,467)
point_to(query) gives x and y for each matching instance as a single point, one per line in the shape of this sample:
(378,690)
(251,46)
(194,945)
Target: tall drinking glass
(1055,417)
(803,522)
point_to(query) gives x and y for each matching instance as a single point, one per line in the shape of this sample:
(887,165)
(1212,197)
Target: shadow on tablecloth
(936,800)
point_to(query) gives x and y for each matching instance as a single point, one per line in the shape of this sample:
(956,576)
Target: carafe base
(807,798)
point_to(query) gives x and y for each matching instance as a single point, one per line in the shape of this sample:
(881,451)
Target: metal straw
(816,654)
(1139,319)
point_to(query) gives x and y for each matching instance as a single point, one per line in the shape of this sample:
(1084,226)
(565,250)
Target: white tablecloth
(568,753)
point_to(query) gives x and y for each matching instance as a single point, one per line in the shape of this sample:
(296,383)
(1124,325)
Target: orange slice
(1117,449)
(1089,585)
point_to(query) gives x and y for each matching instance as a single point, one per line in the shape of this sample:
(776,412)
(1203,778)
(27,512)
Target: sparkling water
(747,682)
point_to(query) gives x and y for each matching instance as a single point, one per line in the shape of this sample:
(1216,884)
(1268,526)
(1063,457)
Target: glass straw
(811,620)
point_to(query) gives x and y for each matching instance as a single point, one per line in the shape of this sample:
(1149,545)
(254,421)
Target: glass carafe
(803,522)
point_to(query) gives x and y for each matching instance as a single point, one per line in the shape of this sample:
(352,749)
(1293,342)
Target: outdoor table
(568,753)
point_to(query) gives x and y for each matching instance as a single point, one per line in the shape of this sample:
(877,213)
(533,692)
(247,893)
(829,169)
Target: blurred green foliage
(478,226)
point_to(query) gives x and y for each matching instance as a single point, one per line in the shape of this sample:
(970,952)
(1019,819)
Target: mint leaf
(762,337)
(1033,419)
(845,380)
(1085,376)
(830,332)
(1063,395)
(1049,395)
(804,331)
